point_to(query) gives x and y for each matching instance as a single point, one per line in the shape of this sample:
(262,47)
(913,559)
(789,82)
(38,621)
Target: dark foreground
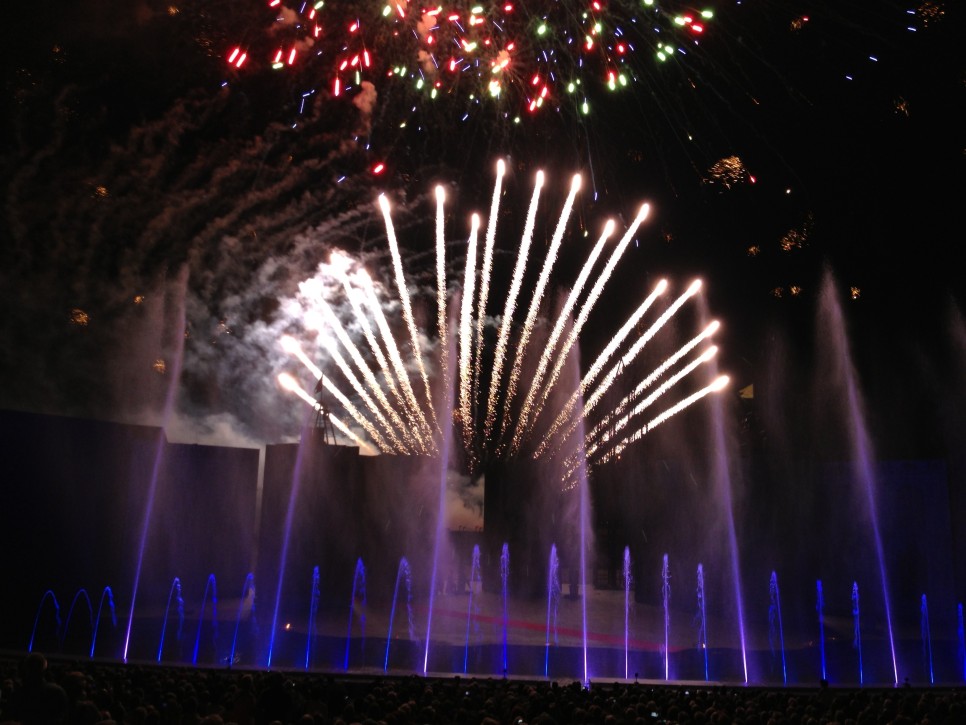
(33,690)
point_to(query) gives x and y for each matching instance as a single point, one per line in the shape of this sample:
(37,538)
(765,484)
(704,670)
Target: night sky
(156,197)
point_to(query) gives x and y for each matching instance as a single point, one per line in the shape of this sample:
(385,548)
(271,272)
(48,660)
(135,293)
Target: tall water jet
(80,595)
(861,445)
(175,594)
(626,581)
(177,354)
(247,600)
(444,453)
(475,577)
(857,629)
(108,596)
(820,609)
(210,583)
(403,575)
(961,636)
(358,601)
(702,621)
(775,630)
(504,575)
(49,594)
(926,639)
(584,543)
(553,600)
(723,478)
(666,600)
(313,611)
(286,536)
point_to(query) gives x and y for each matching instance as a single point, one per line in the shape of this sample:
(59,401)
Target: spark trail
(511,302)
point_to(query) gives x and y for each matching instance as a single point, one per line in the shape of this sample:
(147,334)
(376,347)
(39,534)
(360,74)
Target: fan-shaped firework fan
(391,398)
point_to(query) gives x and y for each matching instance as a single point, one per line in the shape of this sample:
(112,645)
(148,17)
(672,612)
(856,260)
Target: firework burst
(491,418)
(523,58)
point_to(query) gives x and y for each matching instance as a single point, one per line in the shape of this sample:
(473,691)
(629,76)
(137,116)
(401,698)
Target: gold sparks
(138,299)
(855,292)
(797,238)
(728,172)
(159,366)
(799,23)
(795,290)
(754,250)
(902,106)
(930,12)
(173,10)
(101,192)
(793,239)
(79,317)
(777,293)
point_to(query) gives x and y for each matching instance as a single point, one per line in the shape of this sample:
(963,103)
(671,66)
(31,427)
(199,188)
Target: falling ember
(138,299)
(486,380)
(793,239)
(728,172)
(79,317)
(930,12)
(159,366)
(855,293)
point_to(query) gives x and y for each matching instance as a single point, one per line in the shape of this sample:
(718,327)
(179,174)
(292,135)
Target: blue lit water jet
(626,581)
(926,639)
(857,629)
(961,636)
(475,577)
(49,594)
(81,594)
(286,537)
(861,445)
(210,583)
(820,609)
(358,601)
(722,477)
(403,575)
(178,339)
(504,575)
(173,593)
(247,599)
(666,601)
(106,595)
(584,525)
(313,611)
(553,600)
(444,448)
(702,621)
(775,630)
